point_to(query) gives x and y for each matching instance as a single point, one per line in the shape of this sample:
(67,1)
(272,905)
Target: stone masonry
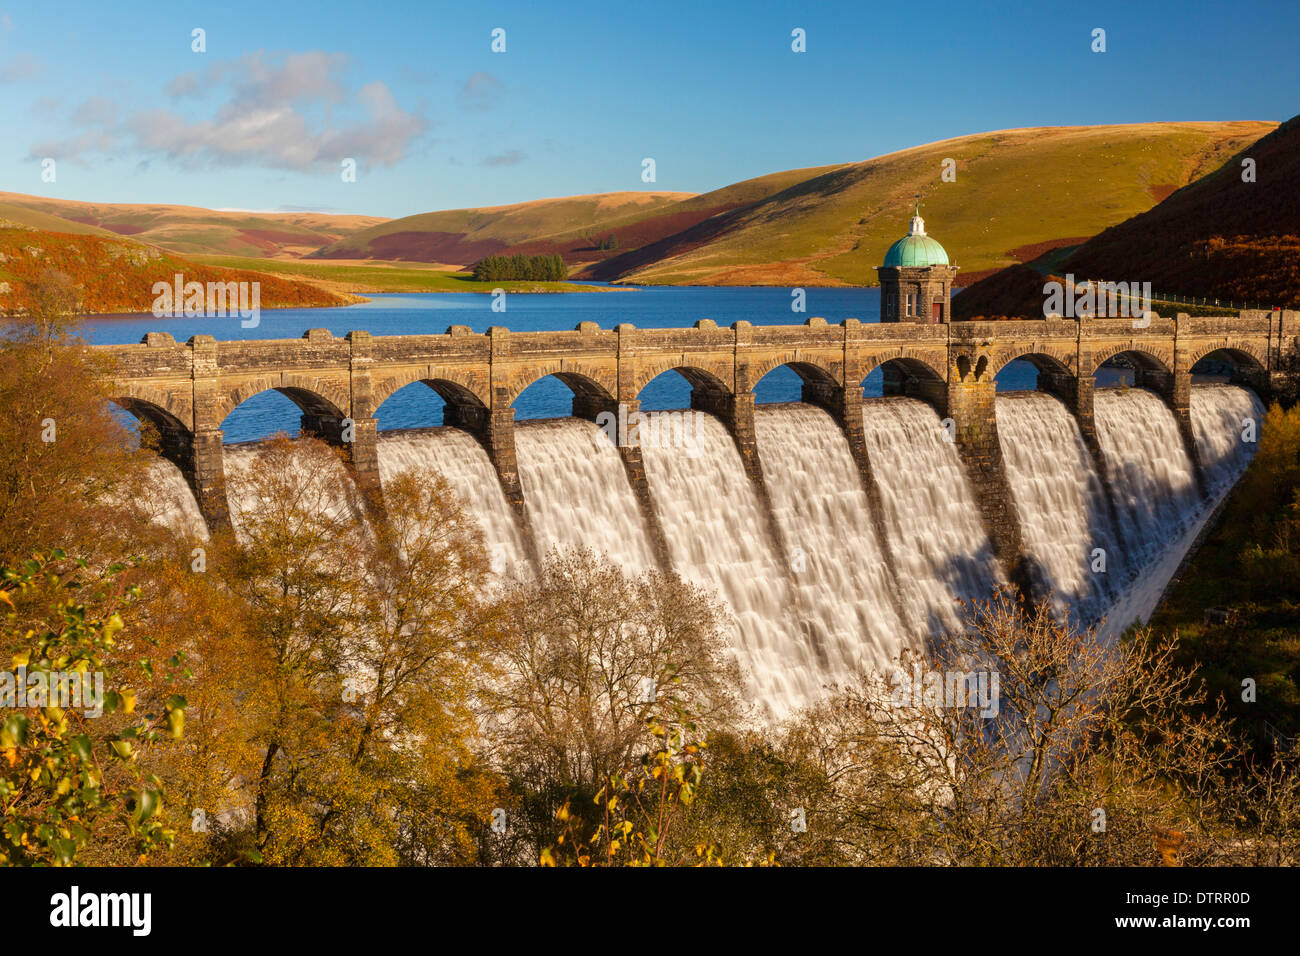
(187,389)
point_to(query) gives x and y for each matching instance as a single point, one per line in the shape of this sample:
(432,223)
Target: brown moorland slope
(585,230)
(116,275)
(543,226)
(193,230)
(1220,237)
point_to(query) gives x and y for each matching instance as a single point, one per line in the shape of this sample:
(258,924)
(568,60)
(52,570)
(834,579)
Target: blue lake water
(418,406)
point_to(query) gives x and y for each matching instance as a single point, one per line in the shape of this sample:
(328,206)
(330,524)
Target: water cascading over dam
(719,538)
(801,564)
(458,457)
(1060,500)
(941,552)
(577,492)
(844,592)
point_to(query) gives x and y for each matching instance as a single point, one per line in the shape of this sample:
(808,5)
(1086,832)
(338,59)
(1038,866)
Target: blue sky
(584,91)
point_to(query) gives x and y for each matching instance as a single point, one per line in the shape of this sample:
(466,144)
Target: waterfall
(930,514)
(829,608)
(170,502)
(458,457)
(1160,511)
(843,584)
(1059,500)
(1219,417)
(328,492)
(718,538)
(1151,477)
(577,492)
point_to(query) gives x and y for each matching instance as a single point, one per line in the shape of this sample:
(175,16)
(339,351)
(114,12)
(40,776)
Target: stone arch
(315,397)
(1052,361)
(173,437)
(583,386)
(153,401)
(1243,353)
(455,386)
(919,364)
(1248,367)
(1149,359)
(811,369)
(151,413)
(707,377)
(914,377)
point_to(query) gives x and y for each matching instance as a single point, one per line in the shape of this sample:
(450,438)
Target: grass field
(359,278)
(1250,564)
(1011,188)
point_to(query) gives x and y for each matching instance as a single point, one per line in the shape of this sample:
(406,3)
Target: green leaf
(14,732)
(147,804)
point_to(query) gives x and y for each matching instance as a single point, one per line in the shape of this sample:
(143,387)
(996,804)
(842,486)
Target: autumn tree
(592,654)
(349,685)
(66,464)
(1094,754)
(76,783)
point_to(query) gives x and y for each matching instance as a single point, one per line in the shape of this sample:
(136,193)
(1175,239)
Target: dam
(836,530)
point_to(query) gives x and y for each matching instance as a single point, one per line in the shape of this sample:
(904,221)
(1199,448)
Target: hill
(463,236)
(1250,565)
(188,230)
(1016,192)
(1219,237)
(116,275)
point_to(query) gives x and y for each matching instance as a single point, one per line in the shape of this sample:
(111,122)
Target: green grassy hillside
(375,276)
(1221,238)
(21,216)
(1015,191)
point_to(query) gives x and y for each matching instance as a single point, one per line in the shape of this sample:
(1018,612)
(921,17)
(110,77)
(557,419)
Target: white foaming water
(459,458)
(171,501)
(1219,420)
(718,538)
(1216,424)
(577,492)
(1059,500)
(841,613)
(843,582)
(330,491)
(940,550)
(1151,477)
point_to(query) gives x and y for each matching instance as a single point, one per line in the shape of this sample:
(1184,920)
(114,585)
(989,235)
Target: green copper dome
(916,249)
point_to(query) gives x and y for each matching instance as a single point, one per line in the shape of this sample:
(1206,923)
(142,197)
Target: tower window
(911,303)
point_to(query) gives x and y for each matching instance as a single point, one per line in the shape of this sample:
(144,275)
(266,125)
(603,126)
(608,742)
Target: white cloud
(280,112)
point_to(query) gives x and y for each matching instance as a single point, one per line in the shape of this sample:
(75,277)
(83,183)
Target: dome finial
(918,224)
